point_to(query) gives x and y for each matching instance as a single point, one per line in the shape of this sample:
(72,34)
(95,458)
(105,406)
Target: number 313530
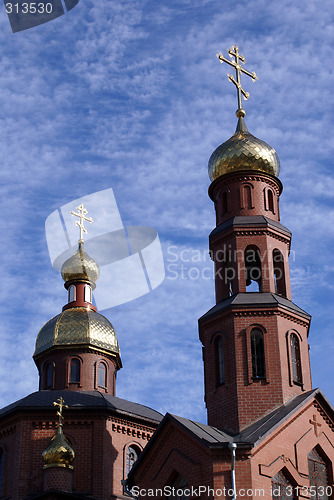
(29,8)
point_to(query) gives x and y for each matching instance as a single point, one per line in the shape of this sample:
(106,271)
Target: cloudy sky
(129,95)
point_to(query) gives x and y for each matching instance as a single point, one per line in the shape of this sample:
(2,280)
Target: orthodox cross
(316,424)
(61,404)
(82,216)
(238,60)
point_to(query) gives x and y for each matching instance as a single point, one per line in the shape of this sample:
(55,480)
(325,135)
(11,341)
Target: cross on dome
(61,404)
(238,60)
(80,223)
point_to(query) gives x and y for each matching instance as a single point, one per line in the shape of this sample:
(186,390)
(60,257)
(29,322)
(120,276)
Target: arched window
(295,359)
(224,202)
(318,474)
(257,351)
(281,487)
(253,269)
(71,293)
(102,375)
(49,376)
(87,294)
(228,273)
(248,197)
(75,371)
(219,359)
(132,454)
(279,273)
(2,460)
(270,201)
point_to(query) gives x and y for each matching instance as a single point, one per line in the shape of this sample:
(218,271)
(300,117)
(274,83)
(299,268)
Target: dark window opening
(75,371)
(318,474)
(248,197)
(257,351)
(270,201)
(219,354)
(49,376)
(295,359)
(281,487)
(229,277)
(101,375)
(253,269)
(279,273)
(224,202)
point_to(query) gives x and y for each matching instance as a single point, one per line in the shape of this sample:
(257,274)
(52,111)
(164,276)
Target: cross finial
(61,404)
(80,223)
(238,61)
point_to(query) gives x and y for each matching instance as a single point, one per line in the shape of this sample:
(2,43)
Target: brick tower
(255,338)
(269,435)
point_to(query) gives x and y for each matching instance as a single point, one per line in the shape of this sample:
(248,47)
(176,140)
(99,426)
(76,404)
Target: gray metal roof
(79,400)
(253,433)
(212,437)
(261,428)
(250,220)
(208,434)
(254,300)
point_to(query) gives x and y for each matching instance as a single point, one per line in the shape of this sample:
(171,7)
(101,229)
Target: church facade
(269,434)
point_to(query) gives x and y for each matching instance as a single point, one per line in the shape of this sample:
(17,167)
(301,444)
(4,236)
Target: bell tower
(255,347)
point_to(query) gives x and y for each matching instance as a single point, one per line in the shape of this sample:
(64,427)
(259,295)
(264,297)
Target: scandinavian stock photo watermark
(226,264)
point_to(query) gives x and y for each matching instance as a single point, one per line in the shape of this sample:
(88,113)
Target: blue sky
(129,95)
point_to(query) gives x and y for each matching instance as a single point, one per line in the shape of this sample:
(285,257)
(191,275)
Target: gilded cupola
(59,453)
(80,267)
(79,329)
(242,151)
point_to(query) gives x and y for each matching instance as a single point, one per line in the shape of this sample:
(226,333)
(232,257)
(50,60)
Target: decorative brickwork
(58,478)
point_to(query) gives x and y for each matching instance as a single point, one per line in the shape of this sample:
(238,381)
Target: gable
(172,452)
(288,445)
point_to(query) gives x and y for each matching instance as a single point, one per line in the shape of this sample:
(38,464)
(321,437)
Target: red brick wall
(242,400)
(232,244)
(175,452)
(89,360)
(58,478)
(98,439)
(233,184)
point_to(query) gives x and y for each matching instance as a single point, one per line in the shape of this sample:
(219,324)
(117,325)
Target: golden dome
(78,326)
(243,151)
(80,267)
(59,453)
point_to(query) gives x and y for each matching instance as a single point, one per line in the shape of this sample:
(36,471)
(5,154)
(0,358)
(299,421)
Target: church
(268,433)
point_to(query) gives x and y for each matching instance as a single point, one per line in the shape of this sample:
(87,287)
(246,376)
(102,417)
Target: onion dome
(78,327)
(80,267)
(59,453)
(243,151)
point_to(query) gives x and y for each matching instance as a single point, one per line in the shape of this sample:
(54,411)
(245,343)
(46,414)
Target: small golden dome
(243,151)
(79,327)
(59,453)
(80,267)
